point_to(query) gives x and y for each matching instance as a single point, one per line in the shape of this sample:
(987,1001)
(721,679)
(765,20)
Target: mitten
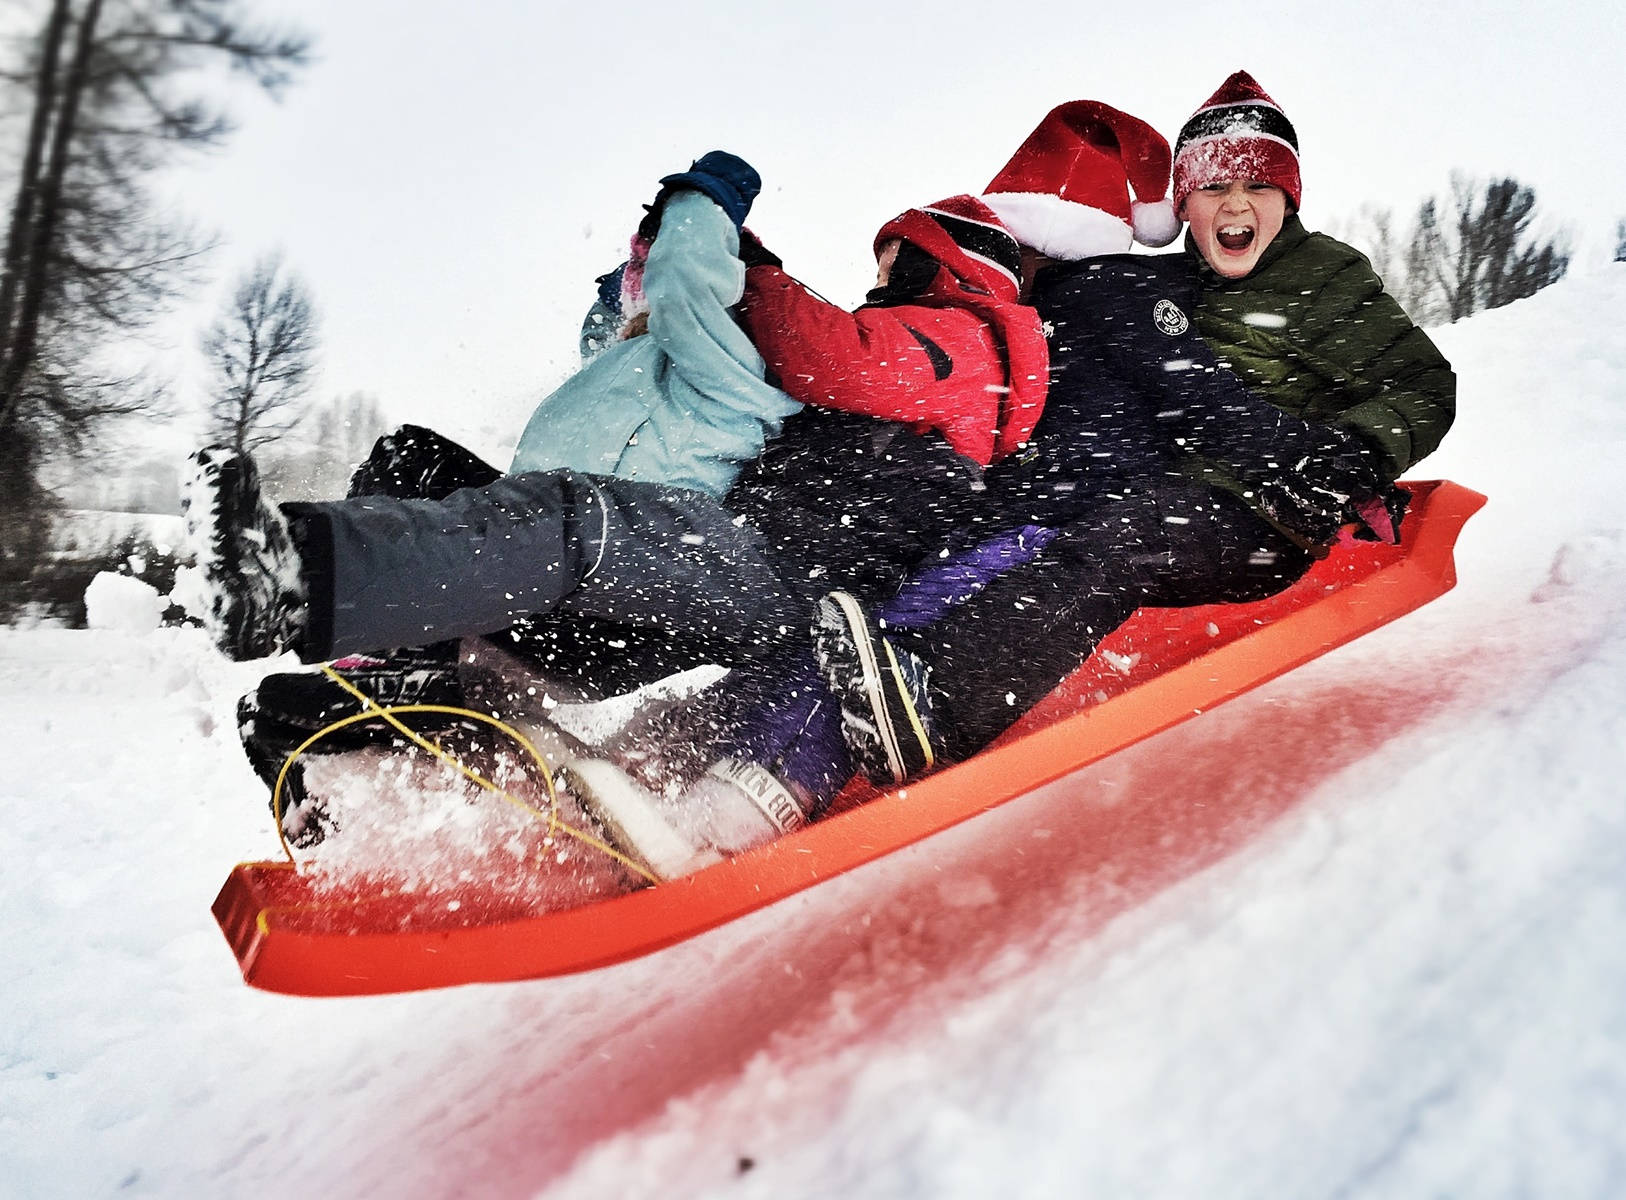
(729,180)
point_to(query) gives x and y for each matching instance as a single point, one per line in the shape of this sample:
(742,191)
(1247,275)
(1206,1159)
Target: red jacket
(964,358)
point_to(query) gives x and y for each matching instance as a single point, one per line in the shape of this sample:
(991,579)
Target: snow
(114,601)
(1398,973)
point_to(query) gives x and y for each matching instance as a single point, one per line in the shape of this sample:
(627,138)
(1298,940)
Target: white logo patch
(1166,315)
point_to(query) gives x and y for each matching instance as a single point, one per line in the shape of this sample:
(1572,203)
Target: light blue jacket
(685,404)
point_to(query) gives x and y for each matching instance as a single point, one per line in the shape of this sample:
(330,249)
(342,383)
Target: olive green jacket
(1312,331)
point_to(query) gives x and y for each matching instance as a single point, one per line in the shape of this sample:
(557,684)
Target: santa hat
(1066,190)
(1241,133)
(964,235)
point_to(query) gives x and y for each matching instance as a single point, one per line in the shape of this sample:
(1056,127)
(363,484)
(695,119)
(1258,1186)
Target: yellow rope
(368,704)
(372,711)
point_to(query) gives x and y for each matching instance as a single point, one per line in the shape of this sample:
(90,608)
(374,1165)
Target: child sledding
(897,528)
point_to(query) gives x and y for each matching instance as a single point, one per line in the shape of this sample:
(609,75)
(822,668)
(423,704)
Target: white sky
(450,177)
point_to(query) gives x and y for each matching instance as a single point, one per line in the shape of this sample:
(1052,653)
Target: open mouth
(1234,237)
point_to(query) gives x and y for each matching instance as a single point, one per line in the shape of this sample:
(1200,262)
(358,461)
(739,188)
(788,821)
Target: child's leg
(1170,545)
(287,709)
(386,572)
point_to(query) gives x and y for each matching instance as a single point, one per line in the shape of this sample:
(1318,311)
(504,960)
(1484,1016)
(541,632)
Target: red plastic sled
(1160,668)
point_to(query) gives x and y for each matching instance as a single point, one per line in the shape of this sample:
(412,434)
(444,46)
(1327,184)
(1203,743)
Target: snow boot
(282,713)
(305,820)
(254,602)
(886,712)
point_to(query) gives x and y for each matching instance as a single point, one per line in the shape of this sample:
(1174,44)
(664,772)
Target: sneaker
(254,598)
(886,715)
(738,804)
(735,806)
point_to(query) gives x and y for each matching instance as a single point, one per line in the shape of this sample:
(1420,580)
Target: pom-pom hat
(1240,133)
(1066,190)
(964,235)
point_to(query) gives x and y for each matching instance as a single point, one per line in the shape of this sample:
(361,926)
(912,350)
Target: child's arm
(1355,358)
(933,367)
(1413,390)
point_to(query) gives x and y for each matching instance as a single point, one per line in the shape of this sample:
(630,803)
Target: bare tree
(1413,286)
(1620,241)
(1373,232)
(1481,250)
(318,461)
(1475,248)
(111,91)
(261,353)
(347,428)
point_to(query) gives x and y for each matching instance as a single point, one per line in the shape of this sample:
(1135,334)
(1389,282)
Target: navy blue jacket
(1135,393)
(1098,431)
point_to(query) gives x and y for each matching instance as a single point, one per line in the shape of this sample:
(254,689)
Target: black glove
(1317,494)
(754,254)
(415,463)
(1294,503)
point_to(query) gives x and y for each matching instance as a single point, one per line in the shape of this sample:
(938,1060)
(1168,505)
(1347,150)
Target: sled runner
(1162,667)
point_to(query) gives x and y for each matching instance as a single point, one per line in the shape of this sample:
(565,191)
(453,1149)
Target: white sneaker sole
(632,819)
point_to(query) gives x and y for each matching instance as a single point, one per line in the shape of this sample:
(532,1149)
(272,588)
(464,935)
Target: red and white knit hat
(1241,133)
(963,234)
(1066,190)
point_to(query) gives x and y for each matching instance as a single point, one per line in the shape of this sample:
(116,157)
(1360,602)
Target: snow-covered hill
(1406,983)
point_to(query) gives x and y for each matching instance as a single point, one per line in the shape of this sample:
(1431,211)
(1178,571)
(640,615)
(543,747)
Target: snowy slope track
(1389,962)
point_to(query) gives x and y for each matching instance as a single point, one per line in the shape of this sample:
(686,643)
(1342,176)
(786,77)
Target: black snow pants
(1167,543)
(458,549)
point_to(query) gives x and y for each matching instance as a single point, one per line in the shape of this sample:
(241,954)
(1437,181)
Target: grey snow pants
(384,572)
